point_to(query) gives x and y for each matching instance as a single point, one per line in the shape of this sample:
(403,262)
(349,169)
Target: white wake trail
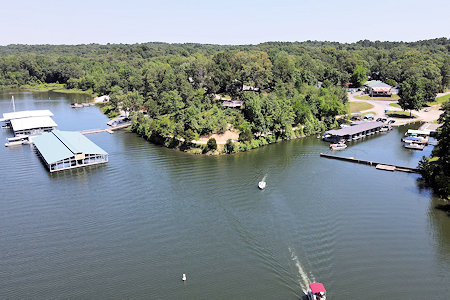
(305,280)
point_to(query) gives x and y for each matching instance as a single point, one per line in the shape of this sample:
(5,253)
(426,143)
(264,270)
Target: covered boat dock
(355,132)
(61,150)
(29,122)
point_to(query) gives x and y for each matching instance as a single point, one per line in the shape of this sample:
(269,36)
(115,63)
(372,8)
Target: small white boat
(183,277)
(317,291)
(338,146)
(17,140)
(76,105)
(262,185)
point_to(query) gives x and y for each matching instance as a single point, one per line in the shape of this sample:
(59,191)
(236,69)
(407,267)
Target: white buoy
(184,277)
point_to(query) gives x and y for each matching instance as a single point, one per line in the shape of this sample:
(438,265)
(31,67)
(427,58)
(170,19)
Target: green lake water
(130,228)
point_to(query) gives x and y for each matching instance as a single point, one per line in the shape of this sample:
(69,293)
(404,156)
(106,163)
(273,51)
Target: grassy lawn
(367,97)
(401,114)
(73,91)
(394,105)
(440,100)
(359,106)
(368,112)
(54,87)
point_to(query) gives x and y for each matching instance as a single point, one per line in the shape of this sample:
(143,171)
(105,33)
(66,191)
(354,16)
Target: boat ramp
(430,128)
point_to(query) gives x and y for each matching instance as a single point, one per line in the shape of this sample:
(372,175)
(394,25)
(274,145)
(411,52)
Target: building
(377,88)
(61,150)
(29,122)
(249,88)
(232,103)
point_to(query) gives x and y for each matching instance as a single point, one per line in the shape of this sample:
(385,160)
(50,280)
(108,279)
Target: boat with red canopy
(317,291)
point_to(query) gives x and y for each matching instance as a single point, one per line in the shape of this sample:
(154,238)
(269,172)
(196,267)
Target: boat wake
(305,280)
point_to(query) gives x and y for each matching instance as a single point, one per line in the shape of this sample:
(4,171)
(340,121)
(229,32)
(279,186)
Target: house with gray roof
(377,88)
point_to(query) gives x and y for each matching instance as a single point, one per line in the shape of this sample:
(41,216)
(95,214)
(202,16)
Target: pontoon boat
(317,291)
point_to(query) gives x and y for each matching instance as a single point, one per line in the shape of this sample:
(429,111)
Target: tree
(359,76)
(189,135)
(132,101)
(412,95)
(436,170)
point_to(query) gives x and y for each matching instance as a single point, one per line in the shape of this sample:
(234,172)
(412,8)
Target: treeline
(176,84)
(435,170)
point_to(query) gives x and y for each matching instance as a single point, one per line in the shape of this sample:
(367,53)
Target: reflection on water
(130,228)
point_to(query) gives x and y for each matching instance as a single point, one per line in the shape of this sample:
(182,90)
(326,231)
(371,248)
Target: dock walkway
(109,130)
(378,165)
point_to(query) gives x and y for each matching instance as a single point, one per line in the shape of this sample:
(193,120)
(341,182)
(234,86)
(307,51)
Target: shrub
(271,138)
(211,144)
(230,147)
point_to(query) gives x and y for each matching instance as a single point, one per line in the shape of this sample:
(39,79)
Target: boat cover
(317,287)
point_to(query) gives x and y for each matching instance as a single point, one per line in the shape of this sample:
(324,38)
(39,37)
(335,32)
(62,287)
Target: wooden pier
(378,165)
(109,130)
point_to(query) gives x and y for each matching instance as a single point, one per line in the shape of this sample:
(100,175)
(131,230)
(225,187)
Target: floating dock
(378,165)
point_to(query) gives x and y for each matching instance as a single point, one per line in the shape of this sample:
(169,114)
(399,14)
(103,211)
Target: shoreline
(56,88)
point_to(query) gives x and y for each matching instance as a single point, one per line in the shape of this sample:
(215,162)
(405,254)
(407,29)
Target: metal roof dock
(27,114)
(32,125)
(30,122)
(356,131)
(61,150)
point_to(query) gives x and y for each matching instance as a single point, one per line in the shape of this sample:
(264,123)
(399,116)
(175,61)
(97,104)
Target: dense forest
(172,90)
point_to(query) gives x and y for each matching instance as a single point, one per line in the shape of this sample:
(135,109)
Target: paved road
(380,106)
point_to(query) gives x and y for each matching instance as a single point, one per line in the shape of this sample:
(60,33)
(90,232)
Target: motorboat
(338,146)
(414,139)
(327,137)
(262,185)
(17,140)
(317,291)
(414,146)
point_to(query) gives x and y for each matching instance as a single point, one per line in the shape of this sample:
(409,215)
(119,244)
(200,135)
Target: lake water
(130,228)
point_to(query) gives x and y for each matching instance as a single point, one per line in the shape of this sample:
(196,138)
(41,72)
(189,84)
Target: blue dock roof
(59,145)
